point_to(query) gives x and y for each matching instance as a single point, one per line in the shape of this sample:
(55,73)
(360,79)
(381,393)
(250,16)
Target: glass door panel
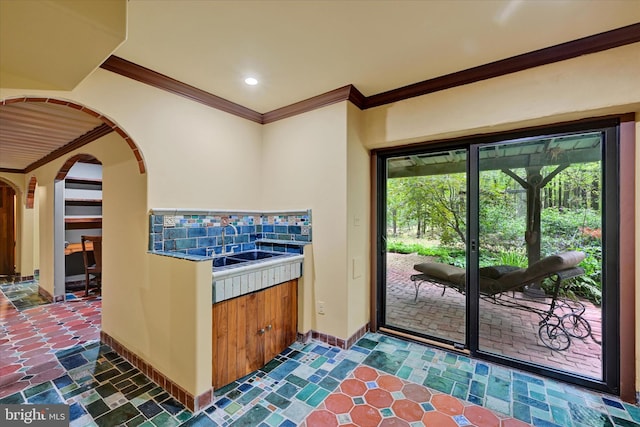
(426,215)
(540,251)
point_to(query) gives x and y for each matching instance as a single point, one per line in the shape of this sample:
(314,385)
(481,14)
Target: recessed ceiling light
(251,81)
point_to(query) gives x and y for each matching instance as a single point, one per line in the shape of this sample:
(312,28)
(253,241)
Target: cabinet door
(222,324)
(281,315)
(231,354)
(255,332)
(250,330)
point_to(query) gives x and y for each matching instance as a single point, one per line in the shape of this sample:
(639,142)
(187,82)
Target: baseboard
(332,340)
(45,294)
(194,403)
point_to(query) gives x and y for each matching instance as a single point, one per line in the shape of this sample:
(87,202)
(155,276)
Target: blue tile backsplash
(201,234)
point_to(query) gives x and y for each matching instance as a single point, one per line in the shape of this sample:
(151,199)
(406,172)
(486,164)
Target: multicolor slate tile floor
(381,381)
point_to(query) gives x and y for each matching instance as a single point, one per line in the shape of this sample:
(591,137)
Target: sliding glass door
(426,209)
(540,216)
(505,248)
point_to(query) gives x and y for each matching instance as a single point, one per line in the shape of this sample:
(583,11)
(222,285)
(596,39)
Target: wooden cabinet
(252,329)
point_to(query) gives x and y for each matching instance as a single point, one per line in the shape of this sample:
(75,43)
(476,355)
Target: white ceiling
(299,49)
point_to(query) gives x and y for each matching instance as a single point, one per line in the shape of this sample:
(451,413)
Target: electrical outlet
(320,307)
(169,221)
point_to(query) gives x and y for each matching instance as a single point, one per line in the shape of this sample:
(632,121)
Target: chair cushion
(556,262)
(542,268)
(501,278)
(496,271)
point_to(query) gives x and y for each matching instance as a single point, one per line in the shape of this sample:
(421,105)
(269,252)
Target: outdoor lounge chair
(560,318)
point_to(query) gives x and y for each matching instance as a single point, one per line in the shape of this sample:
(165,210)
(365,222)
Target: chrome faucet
(224,223)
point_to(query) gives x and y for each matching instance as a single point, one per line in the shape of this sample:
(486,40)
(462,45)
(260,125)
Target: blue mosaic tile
(461,420)
(294,229)
(343,369)
(284,369)
(537,422)
(527,378)
(612,403)
(427,406)
(476,400)
(460,391)
(436,382)
(175,233)
(521,412)
(634,411)
(561,416)
(63,381)
(482,369)
(584,416)
(214,231)
(322,372)
(196,232)
(314,378)
(222,403)
(49,396)
(499,388)
(245,387)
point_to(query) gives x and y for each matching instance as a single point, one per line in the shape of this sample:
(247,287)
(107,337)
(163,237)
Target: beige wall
(305,166)
(584,87)
(358,223)
(198,157)
(587,86)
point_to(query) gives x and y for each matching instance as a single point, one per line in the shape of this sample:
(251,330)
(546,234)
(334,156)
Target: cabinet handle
(268,327)
(261,331)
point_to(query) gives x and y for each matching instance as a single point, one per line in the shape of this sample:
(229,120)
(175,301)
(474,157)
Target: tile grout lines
(31,337)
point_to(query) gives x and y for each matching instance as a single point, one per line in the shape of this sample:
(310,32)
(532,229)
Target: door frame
(9,251)
(619,359)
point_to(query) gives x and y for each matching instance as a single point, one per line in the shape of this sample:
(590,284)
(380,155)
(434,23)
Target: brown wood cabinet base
(252,329)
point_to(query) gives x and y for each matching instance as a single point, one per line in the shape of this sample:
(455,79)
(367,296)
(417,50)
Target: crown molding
(9,170)
(145,75)
(344,93)
(584,46)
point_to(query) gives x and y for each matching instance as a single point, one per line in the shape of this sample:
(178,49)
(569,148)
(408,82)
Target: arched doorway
(59,113)
(7,229)
(80,182)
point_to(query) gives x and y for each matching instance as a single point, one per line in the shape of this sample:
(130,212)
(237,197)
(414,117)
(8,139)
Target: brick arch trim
(136,151)
(64,169)
(31,192)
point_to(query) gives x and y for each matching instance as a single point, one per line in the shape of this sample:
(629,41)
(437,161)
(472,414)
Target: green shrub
(452,256)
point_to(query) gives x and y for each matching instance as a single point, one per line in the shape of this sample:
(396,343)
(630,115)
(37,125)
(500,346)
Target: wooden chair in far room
(92,261)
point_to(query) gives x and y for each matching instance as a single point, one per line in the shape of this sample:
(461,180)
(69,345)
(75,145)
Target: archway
(77,213)
(50,263)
